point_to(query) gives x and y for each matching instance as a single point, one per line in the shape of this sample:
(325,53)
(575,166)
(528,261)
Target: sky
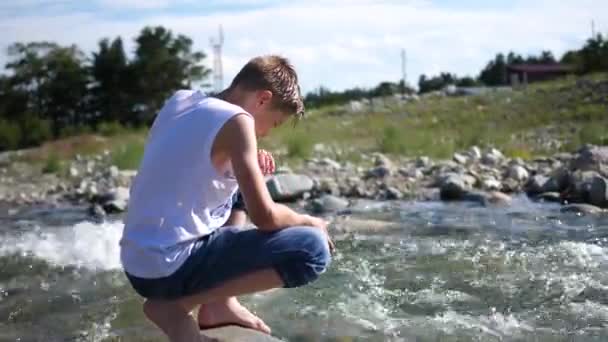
(337,44)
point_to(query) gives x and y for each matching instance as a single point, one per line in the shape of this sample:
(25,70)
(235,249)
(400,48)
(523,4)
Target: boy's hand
(266,162)
(321,224)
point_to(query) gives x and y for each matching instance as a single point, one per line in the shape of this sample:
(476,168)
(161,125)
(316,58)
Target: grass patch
(128,156)
(53,164)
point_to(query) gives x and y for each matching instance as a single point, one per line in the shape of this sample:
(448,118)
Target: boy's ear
(264,96)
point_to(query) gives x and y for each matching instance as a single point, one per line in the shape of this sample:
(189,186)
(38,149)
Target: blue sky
(335,43)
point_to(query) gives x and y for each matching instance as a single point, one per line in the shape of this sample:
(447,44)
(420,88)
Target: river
(444,272)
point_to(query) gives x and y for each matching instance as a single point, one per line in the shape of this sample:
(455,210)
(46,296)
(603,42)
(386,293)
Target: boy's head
(268,88)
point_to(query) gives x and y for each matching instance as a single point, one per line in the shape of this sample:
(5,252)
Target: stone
(332,164)
(518,173)
(590,157)
(474,152)
(460,158)
(580,208)
(114,201)
(535,184)
(73,172)
(237,334)
(382,160)
(486,198)
(393,193)
(286,187)
(411,173)
(558,181)
(453,187)
(328,185)
(423,161)
(327,204)
(283,170)
(113,171)
(490,184)
(492,157)
(378,172)
(598,192)
(550,197)
(361,226)
(97,211)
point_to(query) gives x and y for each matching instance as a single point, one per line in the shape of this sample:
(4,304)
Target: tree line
(50,91)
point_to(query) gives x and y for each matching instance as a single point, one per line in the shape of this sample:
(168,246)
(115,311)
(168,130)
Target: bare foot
(229,312)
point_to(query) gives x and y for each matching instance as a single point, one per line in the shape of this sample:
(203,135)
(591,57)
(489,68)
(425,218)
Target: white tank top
(177,195)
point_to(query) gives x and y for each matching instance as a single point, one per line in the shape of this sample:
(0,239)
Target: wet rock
(598,192)
(285,187)
(590,157)
(355,225)
(518,173)
(96,211)
(487,198)
(535,185)
(237,334)
(453,187)
(549,197)
(558,181)
(327,204)
(113,201)
(579,208)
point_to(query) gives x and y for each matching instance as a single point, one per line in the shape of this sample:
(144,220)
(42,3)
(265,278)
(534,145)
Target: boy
(200,150)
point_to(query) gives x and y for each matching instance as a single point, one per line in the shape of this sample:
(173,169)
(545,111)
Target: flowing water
(446,272)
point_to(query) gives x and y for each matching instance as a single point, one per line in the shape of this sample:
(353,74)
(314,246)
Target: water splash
(86,244)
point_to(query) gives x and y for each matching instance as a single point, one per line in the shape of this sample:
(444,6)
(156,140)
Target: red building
(529,73)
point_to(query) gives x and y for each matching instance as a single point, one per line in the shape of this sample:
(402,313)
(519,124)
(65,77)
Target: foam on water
(494,324)
(86,244)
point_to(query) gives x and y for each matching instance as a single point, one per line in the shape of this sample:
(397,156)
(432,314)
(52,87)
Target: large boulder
(287,187)
(454,186)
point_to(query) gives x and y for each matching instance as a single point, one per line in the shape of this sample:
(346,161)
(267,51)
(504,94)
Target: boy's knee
(310,262)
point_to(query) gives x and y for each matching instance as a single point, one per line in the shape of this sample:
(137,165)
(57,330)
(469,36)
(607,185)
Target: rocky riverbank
(578,180)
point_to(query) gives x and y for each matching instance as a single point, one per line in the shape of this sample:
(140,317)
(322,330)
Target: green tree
(495,71)
(113,83)
(163,63)
(51,81)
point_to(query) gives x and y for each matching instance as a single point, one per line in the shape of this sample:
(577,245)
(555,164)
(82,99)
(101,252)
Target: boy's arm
(238,139)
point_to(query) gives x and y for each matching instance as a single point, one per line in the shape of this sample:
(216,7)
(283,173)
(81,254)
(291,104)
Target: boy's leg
(287,258)
(229,309)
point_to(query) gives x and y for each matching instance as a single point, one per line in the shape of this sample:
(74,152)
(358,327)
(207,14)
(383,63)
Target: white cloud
(342,43)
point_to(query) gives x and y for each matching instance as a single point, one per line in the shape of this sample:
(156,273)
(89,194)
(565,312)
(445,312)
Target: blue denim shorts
(298,254)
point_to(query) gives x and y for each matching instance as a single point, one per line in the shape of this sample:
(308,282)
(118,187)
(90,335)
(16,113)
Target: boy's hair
(274,73)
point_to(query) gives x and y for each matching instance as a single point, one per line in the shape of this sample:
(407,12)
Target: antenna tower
(218,73)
